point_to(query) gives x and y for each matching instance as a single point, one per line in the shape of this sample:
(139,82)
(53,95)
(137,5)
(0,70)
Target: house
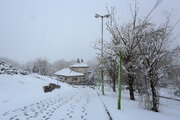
(77,73)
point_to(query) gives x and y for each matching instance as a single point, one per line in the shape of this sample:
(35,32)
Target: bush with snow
(9,69)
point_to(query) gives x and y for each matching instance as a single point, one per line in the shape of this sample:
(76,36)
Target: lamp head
(121,47)
(108,15)
(96,16)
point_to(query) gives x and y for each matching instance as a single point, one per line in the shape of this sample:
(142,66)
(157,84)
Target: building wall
(71,80)
(80,69)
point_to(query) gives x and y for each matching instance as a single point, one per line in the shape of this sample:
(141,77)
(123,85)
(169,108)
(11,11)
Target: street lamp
(120,48)
(102,71)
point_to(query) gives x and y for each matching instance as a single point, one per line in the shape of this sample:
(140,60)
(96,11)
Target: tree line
(41,65)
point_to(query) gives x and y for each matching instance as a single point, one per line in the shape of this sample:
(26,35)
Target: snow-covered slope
(19,90)
(22,98)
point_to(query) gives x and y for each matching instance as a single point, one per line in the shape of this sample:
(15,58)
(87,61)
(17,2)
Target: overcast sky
(64,29)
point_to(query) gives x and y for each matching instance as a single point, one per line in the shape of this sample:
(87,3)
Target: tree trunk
(131,90)
(155,98)
(114,85)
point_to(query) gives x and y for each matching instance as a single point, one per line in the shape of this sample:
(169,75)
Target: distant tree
(78,60)
(112,69)
(173,72)
(94,70)
(41,66)
(60,64)
(12,62)
(29,66)
(35,69)
(82,60)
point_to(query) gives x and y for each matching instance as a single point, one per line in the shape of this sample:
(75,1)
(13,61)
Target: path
(78,104)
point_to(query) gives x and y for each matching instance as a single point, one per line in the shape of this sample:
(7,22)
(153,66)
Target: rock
(46,89)
(51,87)
(54,85)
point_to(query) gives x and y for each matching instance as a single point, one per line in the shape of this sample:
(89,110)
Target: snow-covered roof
(68,72)
(80,65)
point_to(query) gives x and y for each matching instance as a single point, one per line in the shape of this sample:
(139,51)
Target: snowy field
(22,97)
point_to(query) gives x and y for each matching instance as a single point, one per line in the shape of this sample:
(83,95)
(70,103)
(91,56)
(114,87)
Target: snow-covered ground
(131,110)
(22,97)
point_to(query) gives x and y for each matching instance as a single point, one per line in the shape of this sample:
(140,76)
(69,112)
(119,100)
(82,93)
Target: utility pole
(102,71)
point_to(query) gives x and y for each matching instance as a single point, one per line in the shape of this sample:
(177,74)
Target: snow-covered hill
(19,90)
(22,98)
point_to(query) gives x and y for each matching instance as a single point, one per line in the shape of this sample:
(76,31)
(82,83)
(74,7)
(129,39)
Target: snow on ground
(168,92)
(169,109)
(18,90)
(22,97)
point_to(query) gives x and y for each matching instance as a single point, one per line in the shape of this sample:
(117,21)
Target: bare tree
(60,64)
(153,45)
(146,57)
(126,35)
(41,66)
(112,69)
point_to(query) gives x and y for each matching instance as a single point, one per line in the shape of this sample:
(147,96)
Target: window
(74,78)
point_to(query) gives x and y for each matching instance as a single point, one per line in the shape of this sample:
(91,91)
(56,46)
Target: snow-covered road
(76,104)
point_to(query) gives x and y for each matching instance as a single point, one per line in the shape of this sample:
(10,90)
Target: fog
(66,29)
